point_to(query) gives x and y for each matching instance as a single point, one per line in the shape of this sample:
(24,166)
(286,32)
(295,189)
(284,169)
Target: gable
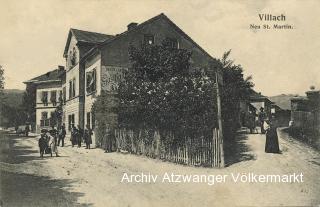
(86,37)
(115,50)
(72,52)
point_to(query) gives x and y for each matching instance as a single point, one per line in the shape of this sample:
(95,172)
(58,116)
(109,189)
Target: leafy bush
(161,91)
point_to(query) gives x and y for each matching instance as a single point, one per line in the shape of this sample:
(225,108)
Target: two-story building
(95,62)
(49,95)
(78,44)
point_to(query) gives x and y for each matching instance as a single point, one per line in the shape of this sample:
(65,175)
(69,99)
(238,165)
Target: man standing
(42,143)
(80,136)
(262,117)
(27,130)
(87,137)
(74,135)
(62,135)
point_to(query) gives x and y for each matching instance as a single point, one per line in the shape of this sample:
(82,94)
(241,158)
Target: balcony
(48,104)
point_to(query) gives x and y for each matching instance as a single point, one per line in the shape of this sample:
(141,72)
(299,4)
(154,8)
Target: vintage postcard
(137,103)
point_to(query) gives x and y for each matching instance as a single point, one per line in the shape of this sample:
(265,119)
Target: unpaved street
(82,177)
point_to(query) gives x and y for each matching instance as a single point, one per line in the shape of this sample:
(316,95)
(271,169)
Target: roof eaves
(44,81)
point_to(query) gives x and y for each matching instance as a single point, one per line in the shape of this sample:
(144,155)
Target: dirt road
(81,177)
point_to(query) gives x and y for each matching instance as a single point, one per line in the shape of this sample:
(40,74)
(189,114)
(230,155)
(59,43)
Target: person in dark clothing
(62,135)
(262,117)
(272,142)
(27,130)
(42,143)
(74,134)
(87,137)
(251,122)
(80,136)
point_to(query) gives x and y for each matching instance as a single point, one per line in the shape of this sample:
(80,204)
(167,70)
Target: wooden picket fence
(200,151)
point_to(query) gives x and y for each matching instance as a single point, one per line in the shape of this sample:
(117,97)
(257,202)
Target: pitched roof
(51,76)
(86,37)
(149,21)
(91,37)
(255,96)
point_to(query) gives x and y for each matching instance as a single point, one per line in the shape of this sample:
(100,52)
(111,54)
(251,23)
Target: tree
(1,78)
(3,120)
(29,102)
(162,91)
(1,84)
(236,88)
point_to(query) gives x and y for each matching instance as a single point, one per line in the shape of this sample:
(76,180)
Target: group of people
(79,135)
(269,127)
(48,142)
(50,139)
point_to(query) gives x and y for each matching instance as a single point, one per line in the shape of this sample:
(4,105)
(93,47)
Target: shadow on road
(237,150)
(18,189)
(12,153)
(30,190)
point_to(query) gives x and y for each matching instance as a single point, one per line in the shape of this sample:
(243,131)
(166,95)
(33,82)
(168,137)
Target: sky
(34,32)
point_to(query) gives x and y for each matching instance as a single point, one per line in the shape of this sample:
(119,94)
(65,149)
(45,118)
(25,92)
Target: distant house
(282,115)
(95,62)
(305,114)
(49,94)
(305,110)
(260,101)
(246,111)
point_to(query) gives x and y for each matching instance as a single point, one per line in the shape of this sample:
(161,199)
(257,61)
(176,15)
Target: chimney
(60,67)
(132,25)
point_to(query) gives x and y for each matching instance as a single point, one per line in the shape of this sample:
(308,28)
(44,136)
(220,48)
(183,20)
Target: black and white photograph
(138,103)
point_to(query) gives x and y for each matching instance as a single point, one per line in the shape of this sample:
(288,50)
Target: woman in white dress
(52,144)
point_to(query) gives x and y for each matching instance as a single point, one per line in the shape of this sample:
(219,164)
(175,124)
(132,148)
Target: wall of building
(49,89)
(93,63)
(115,53)
(40,107)
(72,46)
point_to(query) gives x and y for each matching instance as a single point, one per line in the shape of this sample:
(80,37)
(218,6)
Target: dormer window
(148,39)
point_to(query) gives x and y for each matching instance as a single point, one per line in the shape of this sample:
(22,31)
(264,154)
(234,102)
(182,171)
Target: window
(44,121)
(60,97)
(148,39)
(172,43)
(73,57)
(44,98)
(70,121)
(72,88)
(53,98)
(93,120)
(44,115)
(64,94)
(88,119)
(91,81)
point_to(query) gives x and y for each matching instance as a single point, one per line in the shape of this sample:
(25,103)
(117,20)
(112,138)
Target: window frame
(93,87)
(147,38)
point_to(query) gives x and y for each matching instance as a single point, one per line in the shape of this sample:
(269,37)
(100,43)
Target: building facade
(95,62)
(49,95)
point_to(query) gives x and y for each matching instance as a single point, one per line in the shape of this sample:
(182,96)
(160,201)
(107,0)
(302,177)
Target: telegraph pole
(220,137)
